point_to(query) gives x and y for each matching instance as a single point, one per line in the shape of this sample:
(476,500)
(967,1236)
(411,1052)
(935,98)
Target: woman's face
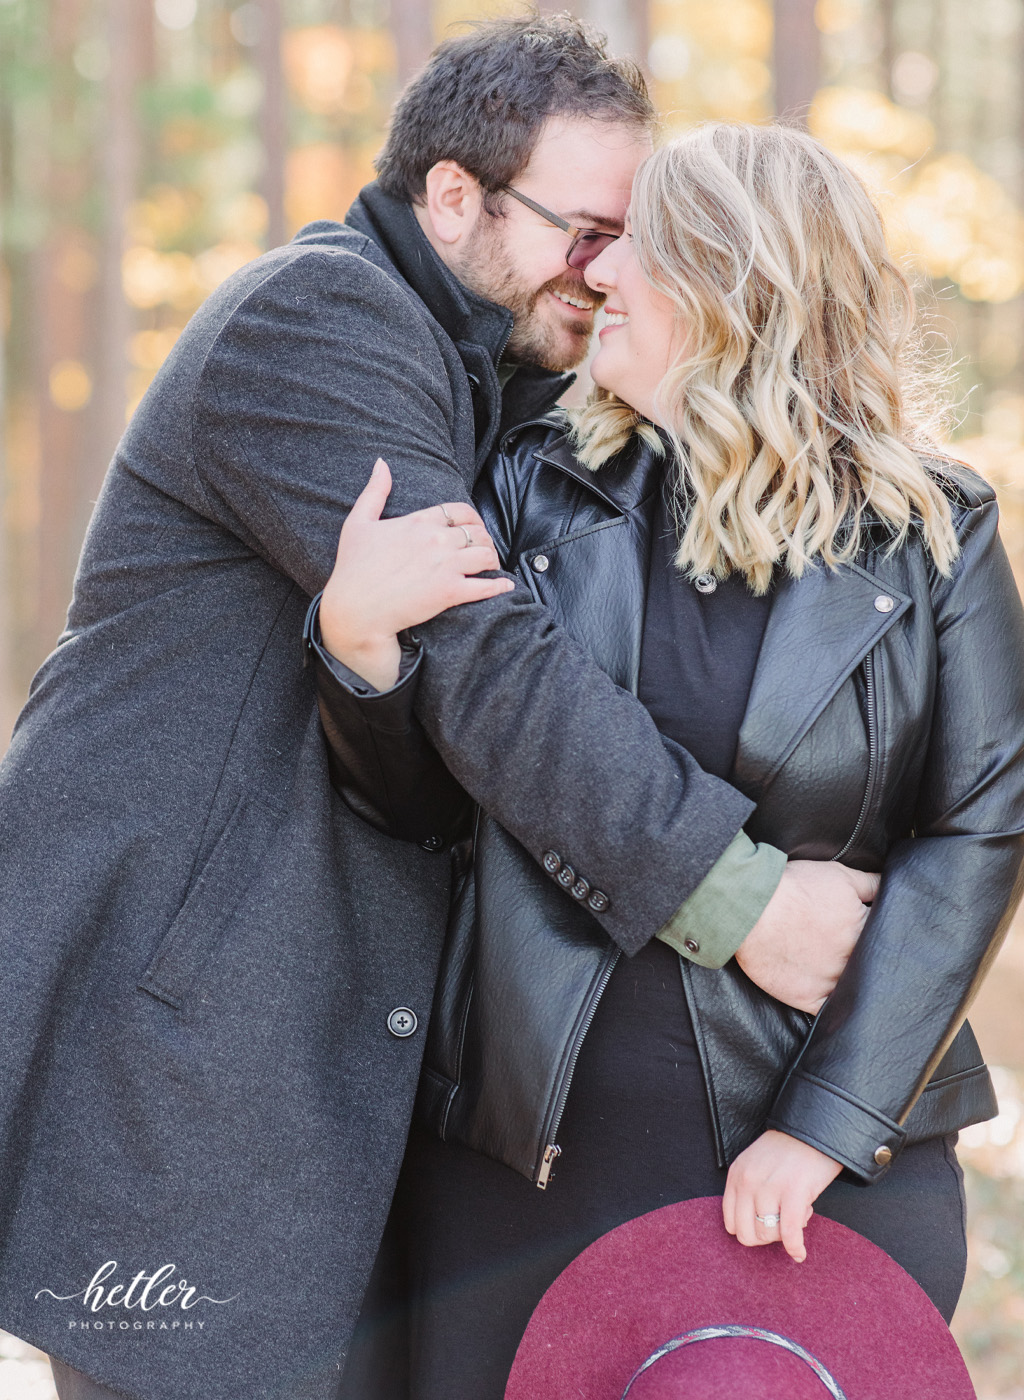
(642,337)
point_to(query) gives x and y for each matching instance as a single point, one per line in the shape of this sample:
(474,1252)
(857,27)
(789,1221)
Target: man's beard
(486,268)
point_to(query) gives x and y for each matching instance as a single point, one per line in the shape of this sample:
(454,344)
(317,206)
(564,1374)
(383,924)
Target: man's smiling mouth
(574,301)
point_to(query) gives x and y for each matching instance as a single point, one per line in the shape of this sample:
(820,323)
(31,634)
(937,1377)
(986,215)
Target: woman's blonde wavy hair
(798,402)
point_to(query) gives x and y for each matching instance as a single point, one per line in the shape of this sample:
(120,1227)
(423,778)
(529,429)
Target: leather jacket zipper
(552,1151)
(871,705)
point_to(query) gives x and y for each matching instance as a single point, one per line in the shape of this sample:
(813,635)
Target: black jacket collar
(626,482)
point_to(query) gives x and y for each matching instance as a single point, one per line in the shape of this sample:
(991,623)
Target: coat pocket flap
(212,900)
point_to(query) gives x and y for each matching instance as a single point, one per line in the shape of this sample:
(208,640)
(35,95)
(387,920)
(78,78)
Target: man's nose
(599,275)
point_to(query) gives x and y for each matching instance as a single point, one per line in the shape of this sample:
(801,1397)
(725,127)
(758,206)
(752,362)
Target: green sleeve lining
(709,926)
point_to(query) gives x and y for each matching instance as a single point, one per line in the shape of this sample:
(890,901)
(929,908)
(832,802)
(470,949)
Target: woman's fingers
(795,1215)
(475,590)
(370,502)
(729,1207)
(479,559)
(473,549)
(760,1221)
(450,514)
(767,1221)
(747,1232)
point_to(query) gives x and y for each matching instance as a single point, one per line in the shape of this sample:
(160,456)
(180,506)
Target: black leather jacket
(885,728)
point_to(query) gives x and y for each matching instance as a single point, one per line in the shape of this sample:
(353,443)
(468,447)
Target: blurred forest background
(148,148)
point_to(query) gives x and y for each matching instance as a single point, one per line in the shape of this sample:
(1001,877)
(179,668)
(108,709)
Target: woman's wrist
(375,659)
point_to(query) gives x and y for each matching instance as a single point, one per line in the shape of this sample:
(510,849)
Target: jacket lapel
(595,577)
(819,630)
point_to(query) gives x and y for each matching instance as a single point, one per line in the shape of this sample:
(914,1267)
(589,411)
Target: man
(214,976)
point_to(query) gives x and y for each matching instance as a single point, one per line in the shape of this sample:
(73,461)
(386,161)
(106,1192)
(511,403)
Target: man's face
(582,170)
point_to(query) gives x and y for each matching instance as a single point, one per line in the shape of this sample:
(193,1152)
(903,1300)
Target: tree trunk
(61,339)
(273,120)
(6,620)
(797,55)
(938,104)
(412,27)
(120,179)
(627,26)
(887,17)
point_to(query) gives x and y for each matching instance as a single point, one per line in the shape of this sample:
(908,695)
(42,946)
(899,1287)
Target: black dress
(482,1242)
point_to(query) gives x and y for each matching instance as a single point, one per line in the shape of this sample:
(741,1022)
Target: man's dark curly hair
(483,97)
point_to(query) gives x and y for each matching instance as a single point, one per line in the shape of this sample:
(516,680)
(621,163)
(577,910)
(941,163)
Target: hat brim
(676,1269)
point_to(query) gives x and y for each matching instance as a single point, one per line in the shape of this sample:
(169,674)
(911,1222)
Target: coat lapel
(819,630)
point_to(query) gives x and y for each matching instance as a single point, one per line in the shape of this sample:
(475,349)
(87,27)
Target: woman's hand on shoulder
(396,573)
(776,1176)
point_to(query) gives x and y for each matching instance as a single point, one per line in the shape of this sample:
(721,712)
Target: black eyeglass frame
(576,235)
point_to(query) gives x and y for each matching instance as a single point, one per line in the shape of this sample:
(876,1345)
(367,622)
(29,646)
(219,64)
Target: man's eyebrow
(586,218)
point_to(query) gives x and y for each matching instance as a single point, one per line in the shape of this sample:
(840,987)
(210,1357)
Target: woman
(742,529)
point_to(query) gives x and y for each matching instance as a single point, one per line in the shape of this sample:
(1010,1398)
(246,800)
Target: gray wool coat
(203,1103)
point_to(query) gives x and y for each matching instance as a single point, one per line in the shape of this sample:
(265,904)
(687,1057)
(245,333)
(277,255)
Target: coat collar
(479,328)
(462,314)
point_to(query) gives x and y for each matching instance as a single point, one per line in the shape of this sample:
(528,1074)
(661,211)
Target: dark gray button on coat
(200,946)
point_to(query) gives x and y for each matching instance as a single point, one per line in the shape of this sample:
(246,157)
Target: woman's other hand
(797,950)
(397,573)
(776,1176)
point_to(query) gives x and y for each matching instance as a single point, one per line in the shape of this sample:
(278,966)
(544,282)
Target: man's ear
(453,202)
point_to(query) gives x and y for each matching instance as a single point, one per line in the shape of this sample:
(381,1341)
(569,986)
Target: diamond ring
(770,1220)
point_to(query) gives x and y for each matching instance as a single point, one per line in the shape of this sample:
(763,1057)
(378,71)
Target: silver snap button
(541,563)
(402,1022)
(883,603)
(705,583)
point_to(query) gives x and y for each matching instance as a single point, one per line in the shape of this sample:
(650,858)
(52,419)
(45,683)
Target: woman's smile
(614,319)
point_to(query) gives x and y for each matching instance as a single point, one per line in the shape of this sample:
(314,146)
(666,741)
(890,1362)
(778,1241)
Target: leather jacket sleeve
(381,761)
(948,892)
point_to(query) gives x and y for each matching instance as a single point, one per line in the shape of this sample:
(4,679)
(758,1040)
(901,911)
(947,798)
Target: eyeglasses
(586,243)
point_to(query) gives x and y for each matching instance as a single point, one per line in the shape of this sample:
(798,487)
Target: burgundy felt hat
(670,1307)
